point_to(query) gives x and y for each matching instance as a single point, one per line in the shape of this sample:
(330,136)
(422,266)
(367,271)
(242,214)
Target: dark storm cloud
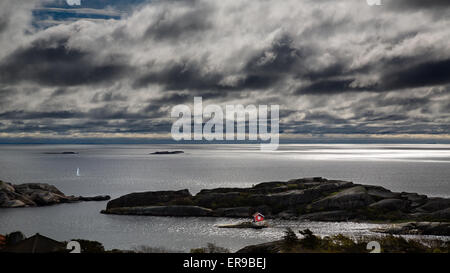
(423,74)
(6,94)
(328,87)
(190,76)
(328,72)
(90,126)
(172,99)
(324,117)
(175,98)
(273,64)
(181,76)
(52,62)
(22,115)
(264,70)
(168,26)
(408,102)
(404,74)
(418,3)
(109,112)
(3,23)
(106,112)
(60,92)
(280,58)
(108,97)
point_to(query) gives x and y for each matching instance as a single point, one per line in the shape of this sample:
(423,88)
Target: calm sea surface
(121,169)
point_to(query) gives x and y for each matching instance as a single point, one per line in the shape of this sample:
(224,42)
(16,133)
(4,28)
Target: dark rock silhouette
(61,153)
(167,152)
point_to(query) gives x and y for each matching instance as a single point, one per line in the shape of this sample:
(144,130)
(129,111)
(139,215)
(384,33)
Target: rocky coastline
(305,199)
(316,199)
(36,195)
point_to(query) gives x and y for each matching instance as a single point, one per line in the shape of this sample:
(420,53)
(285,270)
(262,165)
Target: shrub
(289,237)
(149,249)
(210,248)
(310,240)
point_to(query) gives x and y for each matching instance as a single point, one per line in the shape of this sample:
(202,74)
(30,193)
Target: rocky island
(167,152)
(317,199)
(37,194)
(61,153)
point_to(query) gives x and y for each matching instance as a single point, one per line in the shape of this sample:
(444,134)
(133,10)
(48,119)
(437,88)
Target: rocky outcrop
(315,199)
(417,228)
(391,204)
(434,204)
(142,199)
(37,194)
(348,199)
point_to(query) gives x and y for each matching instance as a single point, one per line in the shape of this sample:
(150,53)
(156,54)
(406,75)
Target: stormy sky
(116,68)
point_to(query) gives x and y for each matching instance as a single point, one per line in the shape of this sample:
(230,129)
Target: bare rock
(435,204)
(36,194)
(149,198)
(381,193)
(391,204)
(352,198)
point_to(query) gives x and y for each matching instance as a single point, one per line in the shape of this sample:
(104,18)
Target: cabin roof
(37,244)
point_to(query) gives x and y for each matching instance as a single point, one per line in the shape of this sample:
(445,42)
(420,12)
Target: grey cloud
(424,4)
(3,23)
(180,76)
(174,98)
(23,115)
(328,87)
(51,62)
(177,27)
(108,97)
(424,74)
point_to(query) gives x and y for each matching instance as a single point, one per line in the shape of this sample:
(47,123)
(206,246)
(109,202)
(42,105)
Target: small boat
(78,171)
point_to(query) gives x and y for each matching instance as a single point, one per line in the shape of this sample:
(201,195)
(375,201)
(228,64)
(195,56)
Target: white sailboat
(78,171)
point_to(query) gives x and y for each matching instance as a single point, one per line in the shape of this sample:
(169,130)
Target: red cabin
(258,217)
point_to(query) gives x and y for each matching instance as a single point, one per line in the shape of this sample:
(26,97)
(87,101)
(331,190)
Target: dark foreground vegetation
(302,242)
(310,243)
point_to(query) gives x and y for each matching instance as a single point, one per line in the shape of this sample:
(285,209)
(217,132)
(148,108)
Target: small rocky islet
(167,152)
